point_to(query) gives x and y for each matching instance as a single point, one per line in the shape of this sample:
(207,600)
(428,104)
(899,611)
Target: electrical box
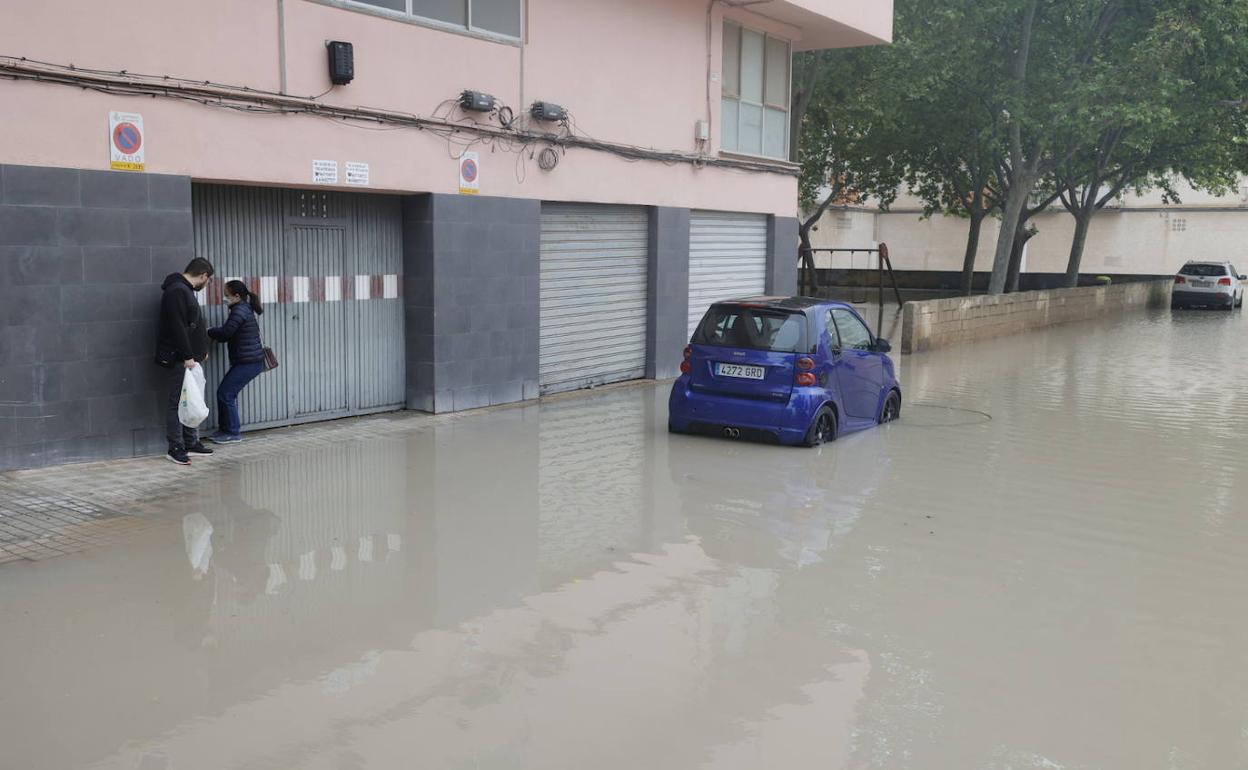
(476,101)
(702,131)
(341,62)
(548,111)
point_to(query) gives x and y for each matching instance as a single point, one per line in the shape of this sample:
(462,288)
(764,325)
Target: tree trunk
(1021,236)
(1022,177)
(1083,222)
(808,277)
(1020,187)
(972,250)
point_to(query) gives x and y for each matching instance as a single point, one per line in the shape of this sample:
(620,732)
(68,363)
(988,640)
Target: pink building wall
(633,72)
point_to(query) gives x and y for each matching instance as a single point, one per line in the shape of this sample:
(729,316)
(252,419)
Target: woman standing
(242,332)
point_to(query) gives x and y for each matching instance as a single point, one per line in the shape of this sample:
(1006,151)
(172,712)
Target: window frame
(763,104)
(870,337)
(407,17)
(834,334)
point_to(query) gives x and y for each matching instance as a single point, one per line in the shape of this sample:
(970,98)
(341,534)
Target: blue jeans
(227,395)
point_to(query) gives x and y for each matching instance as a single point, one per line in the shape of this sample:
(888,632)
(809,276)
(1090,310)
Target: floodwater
(1044,565)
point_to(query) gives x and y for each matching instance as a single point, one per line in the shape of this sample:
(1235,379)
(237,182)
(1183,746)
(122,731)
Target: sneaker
(225,438)
(178,455)
(199,448)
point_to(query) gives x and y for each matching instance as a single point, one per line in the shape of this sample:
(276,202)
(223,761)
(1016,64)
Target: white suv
(1208,284)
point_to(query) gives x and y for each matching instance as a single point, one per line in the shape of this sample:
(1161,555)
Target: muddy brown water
(1044,565)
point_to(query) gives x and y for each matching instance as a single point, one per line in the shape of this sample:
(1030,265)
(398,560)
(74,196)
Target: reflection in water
(1058,586)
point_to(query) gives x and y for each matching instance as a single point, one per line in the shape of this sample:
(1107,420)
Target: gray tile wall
(471,293)
(82,255)
(782,244)
(667,316)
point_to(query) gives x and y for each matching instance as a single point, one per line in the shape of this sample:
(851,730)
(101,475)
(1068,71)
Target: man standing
(181,344)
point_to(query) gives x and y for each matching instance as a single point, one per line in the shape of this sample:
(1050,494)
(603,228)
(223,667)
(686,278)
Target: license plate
(1203,284)
(741,371)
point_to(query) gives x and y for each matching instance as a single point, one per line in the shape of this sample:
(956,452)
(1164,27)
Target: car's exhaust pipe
(732,433)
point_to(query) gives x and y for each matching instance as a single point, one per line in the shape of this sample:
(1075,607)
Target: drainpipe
(281,44)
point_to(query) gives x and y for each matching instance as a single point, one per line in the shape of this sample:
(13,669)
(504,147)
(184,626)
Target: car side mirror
(882,345)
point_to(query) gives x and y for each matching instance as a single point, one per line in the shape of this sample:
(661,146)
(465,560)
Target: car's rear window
(1204,271)
(734,326)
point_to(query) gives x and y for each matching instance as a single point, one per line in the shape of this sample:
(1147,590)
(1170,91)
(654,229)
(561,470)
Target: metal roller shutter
(727,259)
(327,267)
(594,262)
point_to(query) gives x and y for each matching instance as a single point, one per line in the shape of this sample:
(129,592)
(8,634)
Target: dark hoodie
(181,333)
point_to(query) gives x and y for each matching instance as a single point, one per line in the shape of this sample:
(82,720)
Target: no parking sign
(125,141)
(469,173)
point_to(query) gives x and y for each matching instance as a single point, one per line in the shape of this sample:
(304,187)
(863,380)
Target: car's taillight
(1180,279)
(1224,281)
(685,367)
(688,352)
(806,378)
(805,364)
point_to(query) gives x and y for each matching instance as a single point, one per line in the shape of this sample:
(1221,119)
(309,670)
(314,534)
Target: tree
(1052,99)
(955,144)
(843,146)
(1171,112)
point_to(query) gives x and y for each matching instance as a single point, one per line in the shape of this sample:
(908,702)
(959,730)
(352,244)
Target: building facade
(412,250)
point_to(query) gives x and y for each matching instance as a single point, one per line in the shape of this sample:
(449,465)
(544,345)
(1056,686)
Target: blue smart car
(792,370)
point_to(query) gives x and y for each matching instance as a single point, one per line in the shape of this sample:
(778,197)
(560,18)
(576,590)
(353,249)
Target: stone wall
(82,256)
(943,322)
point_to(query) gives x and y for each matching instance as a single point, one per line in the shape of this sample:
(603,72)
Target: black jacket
(181,334)
(242,331)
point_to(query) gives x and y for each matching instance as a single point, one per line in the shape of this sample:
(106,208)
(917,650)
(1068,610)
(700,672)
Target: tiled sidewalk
(67,509)
(71,508)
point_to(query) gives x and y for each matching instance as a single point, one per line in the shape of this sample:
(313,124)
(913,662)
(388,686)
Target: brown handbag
(270,359)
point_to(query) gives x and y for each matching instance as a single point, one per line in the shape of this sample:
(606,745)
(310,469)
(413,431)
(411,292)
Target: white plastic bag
(197,534)
(192,410)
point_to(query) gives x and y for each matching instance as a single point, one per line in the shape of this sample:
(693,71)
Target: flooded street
(1043,565)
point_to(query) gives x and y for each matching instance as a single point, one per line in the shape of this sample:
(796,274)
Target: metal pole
(879,271)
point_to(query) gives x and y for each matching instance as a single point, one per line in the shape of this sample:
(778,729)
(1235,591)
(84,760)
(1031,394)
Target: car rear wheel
(892,408)
(822,428)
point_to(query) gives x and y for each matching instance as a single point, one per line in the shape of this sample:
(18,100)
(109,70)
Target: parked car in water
(1208,284)
(792,370)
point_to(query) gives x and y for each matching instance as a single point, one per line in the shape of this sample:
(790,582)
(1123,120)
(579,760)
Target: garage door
(326,266)
(727,259)
(593,295)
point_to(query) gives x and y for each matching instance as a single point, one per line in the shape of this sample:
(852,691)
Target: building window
(496,17)
(755,117)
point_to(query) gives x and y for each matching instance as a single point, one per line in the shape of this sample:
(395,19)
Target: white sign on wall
(469,173)
(325,171)
(357,173)
(126,144)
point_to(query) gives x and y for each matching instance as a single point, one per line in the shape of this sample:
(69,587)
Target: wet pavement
(1042,566)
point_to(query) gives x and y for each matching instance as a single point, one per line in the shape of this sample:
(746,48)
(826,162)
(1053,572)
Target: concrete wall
(667,309)
(471,296)
(1143,237)
(782,244)
(82,256)
(940,323)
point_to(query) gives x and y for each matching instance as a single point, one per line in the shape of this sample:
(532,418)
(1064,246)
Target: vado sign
(126,144)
